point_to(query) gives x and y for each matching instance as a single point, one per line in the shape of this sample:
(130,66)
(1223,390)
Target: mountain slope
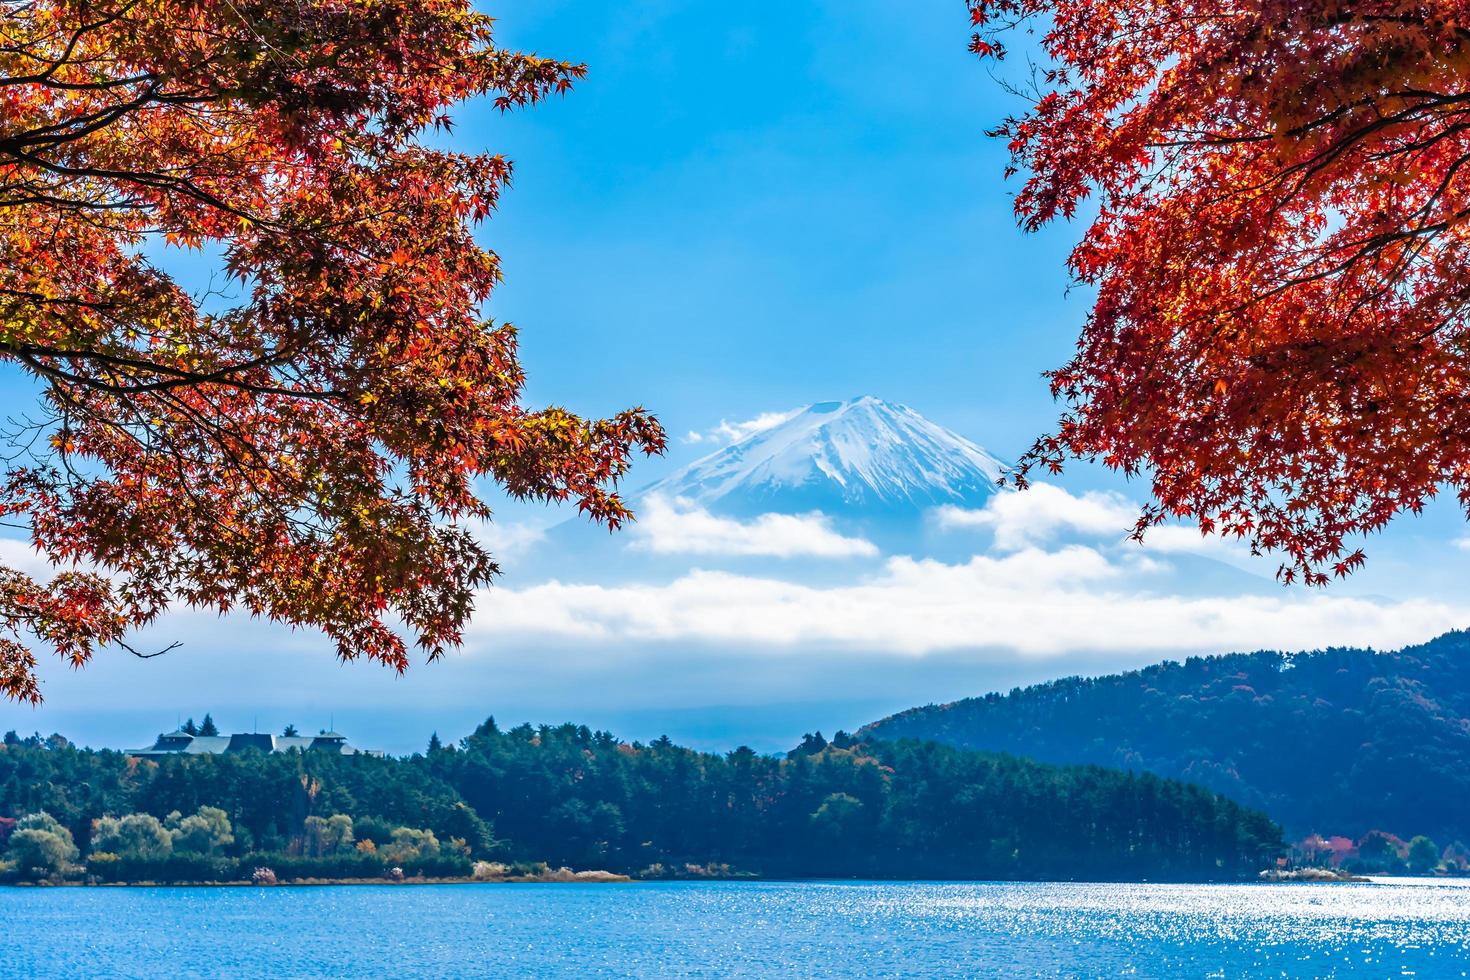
(861,453)
(1337,741)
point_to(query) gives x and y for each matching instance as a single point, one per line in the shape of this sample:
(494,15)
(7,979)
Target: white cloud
(1041,512)
(505,539)
(1044,512)
(682,527)
(1462,543)
(24,558)
(1179,539)
(1032,602)
(728,431)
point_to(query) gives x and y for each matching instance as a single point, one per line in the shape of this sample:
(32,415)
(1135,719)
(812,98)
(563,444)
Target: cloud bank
(1035,591)
(1035,603)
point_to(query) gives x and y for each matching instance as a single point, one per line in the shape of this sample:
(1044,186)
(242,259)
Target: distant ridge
(1338,741)
(864,453)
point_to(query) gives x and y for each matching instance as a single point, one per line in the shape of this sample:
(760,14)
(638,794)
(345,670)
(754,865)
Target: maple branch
(148,656)
(31,354)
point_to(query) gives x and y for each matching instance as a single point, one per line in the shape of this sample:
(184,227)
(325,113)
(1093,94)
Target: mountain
(861,454)
(1338,741)
(874,469)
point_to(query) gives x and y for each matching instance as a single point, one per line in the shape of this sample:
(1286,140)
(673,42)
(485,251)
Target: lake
(774,929)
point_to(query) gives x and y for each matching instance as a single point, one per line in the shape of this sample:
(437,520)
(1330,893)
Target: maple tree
(1278,202)
(306,449)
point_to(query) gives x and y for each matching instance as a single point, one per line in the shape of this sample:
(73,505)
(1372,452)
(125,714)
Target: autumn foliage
(303,442)
(1276,195)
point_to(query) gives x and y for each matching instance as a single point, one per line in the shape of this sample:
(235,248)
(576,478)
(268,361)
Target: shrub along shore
(139,849)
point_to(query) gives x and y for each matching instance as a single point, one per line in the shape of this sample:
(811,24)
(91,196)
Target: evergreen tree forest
(573,797)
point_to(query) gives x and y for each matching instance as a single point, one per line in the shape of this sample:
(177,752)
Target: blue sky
(759,205)
(743,209)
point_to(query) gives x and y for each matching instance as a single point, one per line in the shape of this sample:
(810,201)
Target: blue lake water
(766,929)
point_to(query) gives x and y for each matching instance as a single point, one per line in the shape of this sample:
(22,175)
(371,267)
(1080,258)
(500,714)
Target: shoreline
(562,877)
(567,877)
(1323,876)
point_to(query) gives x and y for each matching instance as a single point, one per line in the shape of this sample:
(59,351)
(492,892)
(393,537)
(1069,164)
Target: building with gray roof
(180,742)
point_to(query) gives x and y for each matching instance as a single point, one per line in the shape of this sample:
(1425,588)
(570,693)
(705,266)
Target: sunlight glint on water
(743,929)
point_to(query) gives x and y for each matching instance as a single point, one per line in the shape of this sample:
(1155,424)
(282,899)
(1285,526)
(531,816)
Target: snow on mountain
(865,453)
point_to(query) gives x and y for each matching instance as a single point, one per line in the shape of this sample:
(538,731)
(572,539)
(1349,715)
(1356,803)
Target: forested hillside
(1332,742)
(571,796)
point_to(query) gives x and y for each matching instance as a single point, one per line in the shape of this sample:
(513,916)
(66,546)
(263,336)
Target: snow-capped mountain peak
(859,453)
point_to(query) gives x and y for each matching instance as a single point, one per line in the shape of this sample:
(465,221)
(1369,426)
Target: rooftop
(180,742)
